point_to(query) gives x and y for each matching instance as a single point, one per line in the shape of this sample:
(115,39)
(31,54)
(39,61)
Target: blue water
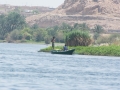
(23,68)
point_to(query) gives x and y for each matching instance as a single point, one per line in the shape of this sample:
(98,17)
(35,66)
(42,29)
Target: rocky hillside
(90,7)
(92,12)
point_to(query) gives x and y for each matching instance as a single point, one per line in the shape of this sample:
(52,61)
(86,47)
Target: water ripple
(23,68)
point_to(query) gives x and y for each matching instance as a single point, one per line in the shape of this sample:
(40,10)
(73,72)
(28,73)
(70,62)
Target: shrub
(78,38)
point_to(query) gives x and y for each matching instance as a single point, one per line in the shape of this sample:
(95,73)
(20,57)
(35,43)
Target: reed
(78,38)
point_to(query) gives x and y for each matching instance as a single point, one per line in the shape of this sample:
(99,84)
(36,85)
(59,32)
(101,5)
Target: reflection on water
(23,68)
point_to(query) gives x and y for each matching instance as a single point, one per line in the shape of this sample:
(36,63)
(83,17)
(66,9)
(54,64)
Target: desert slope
(92,12)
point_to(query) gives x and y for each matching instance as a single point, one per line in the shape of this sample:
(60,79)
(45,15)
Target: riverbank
(112,50)
(31,42)
(23,41)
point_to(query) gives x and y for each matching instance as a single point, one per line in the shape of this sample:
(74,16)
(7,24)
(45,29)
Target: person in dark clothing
(53,41)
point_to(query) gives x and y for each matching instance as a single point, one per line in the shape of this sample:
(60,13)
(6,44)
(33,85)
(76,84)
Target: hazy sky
(48,3)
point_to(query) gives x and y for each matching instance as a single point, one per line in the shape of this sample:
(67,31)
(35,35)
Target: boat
(67,52)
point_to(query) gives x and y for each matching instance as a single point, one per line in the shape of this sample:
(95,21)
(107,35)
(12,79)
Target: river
(22,67)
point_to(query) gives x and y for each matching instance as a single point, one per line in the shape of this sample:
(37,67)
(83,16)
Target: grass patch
(112,50)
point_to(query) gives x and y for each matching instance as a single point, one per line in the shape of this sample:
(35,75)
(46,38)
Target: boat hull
(68,52)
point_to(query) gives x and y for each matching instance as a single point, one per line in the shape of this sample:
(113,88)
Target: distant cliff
(92,12)
(90,7)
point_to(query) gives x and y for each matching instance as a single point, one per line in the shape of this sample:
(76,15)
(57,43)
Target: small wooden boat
(67,52)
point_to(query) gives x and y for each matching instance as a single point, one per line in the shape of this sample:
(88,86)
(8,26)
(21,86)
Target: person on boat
(65,47)
(53,41)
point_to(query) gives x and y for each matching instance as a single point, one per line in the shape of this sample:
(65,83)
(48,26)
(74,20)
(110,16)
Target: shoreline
(112,50)
(32,42)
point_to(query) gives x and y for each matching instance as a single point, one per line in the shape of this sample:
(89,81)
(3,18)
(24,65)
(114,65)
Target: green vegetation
(97,31)
(78,38)
(14,29)
(10,22)
(100,50)
(112,50)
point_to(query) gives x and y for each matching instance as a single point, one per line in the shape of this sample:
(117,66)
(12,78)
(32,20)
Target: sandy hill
(92,12)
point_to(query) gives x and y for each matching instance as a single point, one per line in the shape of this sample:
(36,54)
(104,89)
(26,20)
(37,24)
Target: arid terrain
(101,12)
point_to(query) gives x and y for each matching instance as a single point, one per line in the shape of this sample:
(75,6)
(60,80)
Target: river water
(23,68)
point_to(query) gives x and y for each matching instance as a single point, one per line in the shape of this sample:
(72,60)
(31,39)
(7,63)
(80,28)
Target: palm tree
(97,31)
